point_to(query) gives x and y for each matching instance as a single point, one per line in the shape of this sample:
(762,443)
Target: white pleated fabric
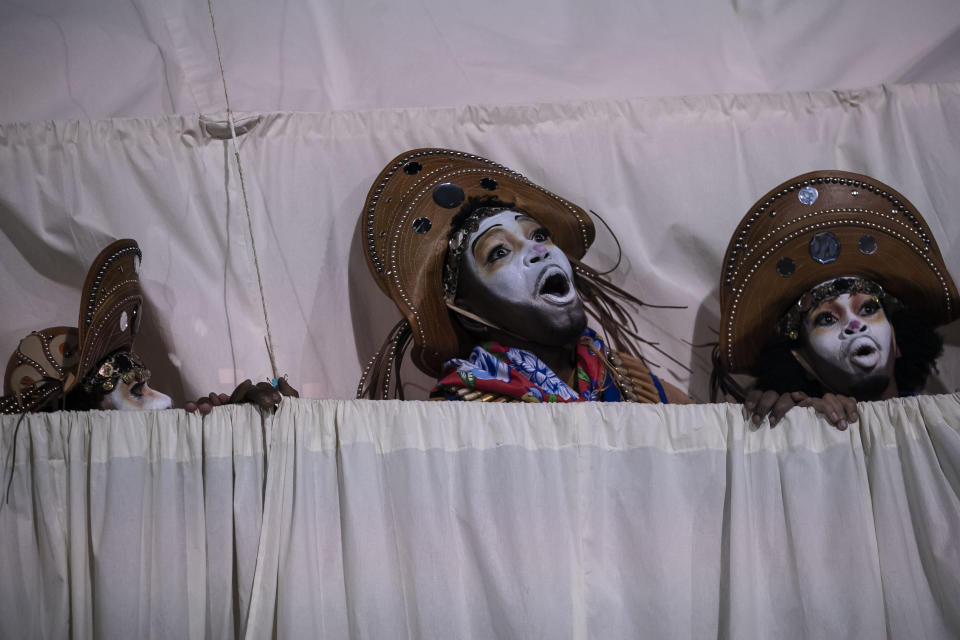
(444,520)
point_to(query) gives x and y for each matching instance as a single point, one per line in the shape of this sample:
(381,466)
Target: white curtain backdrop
(339,518)
(450,520)
(95,59)
(672,177)
(667,118)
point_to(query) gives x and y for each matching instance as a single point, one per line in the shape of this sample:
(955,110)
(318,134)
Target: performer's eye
(497,253)
(541,235)
(869,308)
(137,390)
(824,319)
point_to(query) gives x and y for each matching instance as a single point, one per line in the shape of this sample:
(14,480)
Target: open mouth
(555,287)
(865,355)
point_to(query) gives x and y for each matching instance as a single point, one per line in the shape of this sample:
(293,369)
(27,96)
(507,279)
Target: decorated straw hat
(48,364)
(406,225)
(814,228)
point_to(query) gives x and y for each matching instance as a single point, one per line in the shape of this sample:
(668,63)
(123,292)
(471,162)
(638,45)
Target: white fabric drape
(94,59)
(447,520)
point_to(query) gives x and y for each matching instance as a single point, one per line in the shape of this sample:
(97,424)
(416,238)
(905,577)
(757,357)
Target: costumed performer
(831,290)
(93,365)
(485,267)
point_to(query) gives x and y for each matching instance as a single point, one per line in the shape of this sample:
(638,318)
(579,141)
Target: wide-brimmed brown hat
(816,227)
(406,224)
(49,363)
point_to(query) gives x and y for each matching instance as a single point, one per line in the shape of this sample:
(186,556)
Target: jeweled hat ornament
(122,366)
(816,236)
(406,223)
(50,363)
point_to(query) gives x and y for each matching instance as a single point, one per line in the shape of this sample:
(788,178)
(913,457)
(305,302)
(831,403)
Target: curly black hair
(920,346)
(81,400)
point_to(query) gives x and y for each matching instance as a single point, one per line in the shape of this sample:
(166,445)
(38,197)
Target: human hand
(262,394)
(839,410)
(205,404)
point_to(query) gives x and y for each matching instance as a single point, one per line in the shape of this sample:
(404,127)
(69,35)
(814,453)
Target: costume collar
(518,373)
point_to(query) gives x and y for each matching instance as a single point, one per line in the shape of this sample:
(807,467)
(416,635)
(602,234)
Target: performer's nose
(537,253)
(854,326)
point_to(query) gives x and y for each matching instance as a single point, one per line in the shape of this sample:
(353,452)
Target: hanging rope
(268,339)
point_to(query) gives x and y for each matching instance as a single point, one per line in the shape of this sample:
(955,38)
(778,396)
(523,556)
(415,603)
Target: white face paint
(135,396)
(514,276)
(849,344)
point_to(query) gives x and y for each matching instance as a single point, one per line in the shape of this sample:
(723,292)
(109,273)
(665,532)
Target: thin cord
(13,455)
(268,339)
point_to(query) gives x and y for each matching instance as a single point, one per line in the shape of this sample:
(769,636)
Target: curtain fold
(416,519)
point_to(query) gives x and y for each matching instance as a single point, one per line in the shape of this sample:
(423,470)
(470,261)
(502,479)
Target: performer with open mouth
(832,288)
(485,266)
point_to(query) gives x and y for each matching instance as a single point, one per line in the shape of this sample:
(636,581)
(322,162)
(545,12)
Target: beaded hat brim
(815,227)
(406,226)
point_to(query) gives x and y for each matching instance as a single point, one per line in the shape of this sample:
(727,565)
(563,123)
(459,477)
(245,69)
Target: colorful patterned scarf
(515,373)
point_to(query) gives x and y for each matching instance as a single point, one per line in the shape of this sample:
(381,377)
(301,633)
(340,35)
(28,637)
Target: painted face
(135,396)
(849,344)
(514,276)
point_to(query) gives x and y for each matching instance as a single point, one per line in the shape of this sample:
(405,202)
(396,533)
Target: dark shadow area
(60,262)
(150,345)
(706,333)
(938,65)
(947,377)
(706,327)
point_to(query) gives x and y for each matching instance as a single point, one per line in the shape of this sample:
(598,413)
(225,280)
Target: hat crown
(111,304)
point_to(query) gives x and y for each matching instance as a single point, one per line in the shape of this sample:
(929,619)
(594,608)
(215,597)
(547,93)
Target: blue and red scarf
(515,373)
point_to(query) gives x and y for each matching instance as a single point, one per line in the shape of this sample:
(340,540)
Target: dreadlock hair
(602,300)
(920,346)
